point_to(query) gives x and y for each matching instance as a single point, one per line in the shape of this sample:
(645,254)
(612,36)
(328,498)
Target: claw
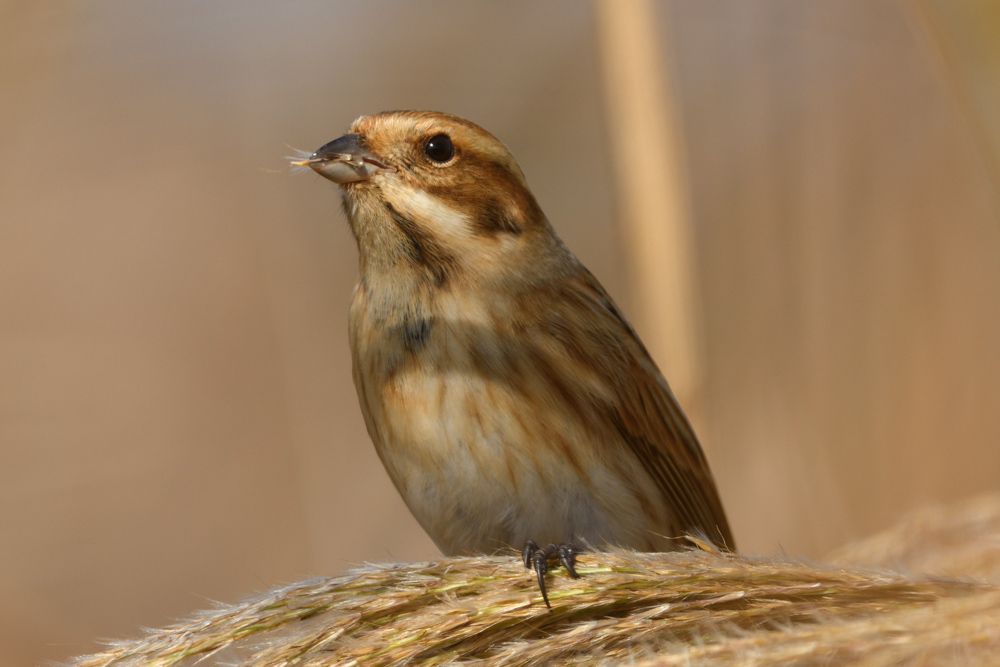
(540,561)
(567,556)
(530,547)
(537,559)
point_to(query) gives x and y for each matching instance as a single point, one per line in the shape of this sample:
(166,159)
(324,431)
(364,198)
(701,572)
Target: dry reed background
(176,415)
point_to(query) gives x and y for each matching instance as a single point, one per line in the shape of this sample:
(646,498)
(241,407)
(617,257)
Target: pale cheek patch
(435,215)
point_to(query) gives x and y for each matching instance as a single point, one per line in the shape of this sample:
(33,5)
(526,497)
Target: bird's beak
(345,160)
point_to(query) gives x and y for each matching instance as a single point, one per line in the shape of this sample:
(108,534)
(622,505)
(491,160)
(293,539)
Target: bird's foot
(537,558)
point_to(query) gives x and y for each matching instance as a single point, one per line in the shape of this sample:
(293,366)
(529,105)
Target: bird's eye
(439,148)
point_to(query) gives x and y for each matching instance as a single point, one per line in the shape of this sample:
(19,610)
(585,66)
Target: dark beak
(345,160)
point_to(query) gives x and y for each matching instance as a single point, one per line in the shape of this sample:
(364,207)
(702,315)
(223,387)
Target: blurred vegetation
(177,417)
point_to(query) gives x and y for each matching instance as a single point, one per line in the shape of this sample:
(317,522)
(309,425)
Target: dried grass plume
(686,608)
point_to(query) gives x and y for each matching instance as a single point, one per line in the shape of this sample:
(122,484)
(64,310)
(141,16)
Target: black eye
(439,148)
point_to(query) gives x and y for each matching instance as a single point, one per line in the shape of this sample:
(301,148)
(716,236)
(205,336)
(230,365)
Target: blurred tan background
(177,418)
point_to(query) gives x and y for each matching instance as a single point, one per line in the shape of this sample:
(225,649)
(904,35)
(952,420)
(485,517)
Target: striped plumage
(504,391)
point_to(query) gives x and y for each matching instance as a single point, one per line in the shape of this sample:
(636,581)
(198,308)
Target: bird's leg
(537,558)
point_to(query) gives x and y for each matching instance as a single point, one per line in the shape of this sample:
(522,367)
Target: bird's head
(435,196)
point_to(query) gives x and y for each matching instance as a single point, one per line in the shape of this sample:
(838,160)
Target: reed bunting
(507,396)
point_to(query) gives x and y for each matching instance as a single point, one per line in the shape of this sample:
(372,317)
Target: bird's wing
(643,410)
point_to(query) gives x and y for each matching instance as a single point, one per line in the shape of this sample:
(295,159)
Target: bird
(509,399)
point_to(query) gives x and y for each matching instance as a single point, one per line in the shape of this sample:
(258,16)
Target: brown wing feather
(645,413)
